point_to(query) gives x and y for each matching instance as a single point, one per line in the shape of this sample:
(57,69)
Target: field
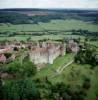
(35,38)
(53,25)
(95,43)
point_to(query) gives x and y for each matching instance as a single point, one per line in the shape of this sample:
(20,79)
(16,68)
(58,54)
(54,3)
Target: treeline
(84,32)
(55,32)
(45,18)
(13,18)
(87,55)
(17,17)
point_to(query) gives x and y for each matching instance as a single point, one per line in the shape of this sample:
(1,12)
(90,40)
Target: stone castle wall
(46,52)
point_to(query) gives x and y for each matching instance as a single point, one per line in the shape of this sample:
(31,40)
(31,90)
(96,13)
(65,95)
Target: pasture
(52,25)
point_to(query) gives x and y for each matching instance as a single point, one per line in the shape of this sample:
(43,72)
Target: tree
(1,89)
(24,89)
(26,69)
(87,84)
(29,69)
(28,90)
(13,67)
(86,55)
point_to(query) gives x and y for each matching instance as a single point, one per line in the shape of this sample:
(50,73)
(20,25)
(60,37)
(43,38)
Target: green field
(57,25)
(35,38)
(53,25)
(95,43)
(69,25)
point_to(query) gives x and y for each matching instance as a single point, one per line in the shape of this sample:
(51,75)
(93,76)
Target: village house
(6,54)
(2,58)
(6,50)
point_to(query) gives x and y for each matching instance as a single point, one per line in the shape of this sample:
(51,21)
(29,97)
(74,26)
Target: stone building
(72,46)
(2,58)
(43,53)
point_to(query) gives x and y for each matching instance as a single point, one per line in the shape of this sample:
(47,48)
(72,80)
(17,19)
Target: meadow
(52,25)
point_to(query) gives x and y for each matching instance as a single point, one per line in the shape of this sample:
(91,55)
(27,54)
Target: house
(6,50)
(2,58)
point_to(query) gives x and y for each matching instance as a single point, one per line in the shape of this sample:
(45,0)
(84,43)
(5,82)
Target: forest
(29,16)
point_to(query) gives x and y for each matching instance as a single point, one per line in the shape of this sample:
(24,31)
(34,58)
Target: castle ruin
(43,53)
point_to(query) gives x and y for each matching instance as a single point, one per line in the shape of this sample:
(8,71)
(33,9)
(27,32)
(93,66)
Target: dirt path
(61,68)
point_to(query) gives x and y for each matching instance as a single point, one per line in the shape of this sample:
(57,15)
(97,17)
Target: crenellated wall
(47,52)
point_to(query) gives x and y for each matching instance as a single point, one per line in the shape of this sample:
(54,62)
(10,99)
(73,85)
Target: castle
(39,52)
(46,52)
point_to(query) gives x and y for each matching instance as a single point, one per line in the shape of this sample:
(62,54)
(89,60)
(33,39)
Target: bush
(13,67)
(86,56)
